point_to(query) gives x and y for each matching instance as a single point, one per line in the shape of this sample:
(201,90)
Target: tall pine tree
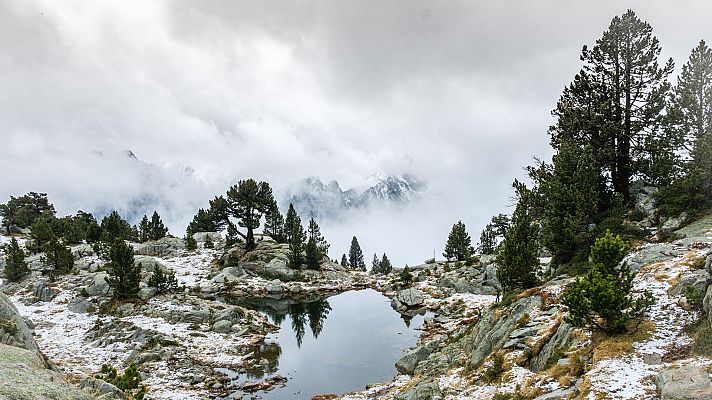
(124,276)
(15,266)
(459,244)
(356,256)
(158,230)
(247,202)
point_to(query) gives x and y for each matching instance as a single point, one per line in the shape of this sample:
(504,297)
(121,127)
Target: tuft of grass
(525,319)
(8,326)
(701,333)
(494,372)
(606,347)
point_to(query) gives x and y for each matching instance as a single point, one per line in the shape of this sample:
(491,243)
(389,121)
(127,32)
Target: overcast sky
(457,93)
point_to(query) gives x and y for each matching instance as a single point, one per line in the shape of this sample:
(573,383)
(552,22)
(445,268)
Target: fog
(205,93)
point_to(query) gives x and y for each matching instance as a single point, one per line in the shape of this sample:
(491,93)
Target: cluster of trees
(306,247)
(355,259)
(382,266)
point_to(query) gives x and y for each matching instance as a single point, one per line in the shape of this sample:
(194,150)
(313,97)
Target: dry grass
(606,347)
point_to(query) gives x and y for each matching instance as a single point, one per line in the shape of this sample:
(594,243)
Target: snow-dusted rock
(201,236)
(689,382)
(410,360)
(164,247)
(98,286)
(410,297)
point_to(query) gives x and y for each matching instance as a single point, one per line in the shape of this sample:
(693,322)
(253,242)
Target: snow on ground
(191,268)
(629,376)
(60,334)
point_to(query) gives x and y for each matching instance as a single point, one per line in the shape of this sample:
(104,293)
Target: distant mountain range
(314,199)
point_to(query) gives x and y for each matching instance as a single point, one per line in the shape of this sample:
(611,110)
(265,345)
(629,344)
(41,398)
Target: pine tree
(314,233)
(158,230)
(571,188)
(247,202)
(375,265)
(15,266)
(344,261)
(163,281)
(144,230)
(202,222)
(459,244)
(42,232)
(616,103)
(274,224)
(356,256)
(313,255)
(25,210)
(124,277)
(517,258)
(58,258)
(604,299)
(231,236)
(114,227)
(208,243)
(291,222)
(488,241)
(385,265)
(296,245)
(190,243)
(405,276)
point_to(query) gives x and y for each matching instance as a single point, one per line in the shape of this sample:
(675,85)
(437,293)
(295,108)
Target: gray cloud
(455,92)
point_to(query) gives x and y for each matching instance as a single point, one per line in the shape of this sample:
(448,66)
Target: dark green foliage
(124,276)
(208,243)
(190,243)
(114,227)
(24,211)
(382,266)
(356,260)
(570,188)
(615,105)
(405,276)
(375,264)
(603,299)
(144,230)
(493,231)
(202,222)
(274,224)
(313,255)
(694,297)
(291,222)
(518,255)
(58,258)
(15,266)
(163,281)
(297,244)
(247,202)
(42,232)
(459,244)
(231,237)
(157,229)
(128,382)
(314,233)
(344,261)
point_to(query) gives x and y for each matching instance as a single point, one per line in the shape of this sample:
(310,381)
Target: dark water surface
(334,345)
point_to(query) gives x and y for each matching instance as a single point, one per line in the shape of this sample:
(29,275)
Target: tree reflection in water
(269,351)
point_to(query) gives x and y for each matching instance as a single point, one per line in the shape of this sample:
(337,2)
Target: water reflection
(358,345)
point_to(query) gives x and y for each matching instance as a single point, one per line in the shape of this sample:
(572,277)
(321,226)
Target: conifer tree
(344,261)
(291,222)
(15,266)
(144,230)
(603,299)
(274,223)
(158,230)
(114,227)
(42,232)
(616,103)
(208,243)
(314,233)
(124,277)
(247,202)
(356,256)
(313,255)
(190,243)
(375,265)
(385,265)
(296,245)
(231,236)
(488,241)
(459,244)
(517,258)
(163,281)
(25,210)
(202,222)
(58,258)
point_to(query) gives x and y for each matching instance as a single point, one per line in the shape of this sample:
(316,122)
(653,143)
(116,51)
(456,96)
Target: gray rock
(80,305)
(561,393)
(165,247)
(673,224)
(214,236)
(43,292)
(410,297)
(228,274)
(19,334)
(696,279)
(147,292)
(524,332)
(684,383)
(25,376)
(422,391)
(98,286)
(407,364)
(222,326)
(101,390)
(82,250)
(275,286)
(559,340)
(652,254)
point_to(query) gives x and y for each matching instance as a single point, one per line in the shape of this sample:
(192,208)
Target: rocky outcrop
(14,331)
(408,298)
(407,364)
(201,236)
(164,247)
(684,383)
